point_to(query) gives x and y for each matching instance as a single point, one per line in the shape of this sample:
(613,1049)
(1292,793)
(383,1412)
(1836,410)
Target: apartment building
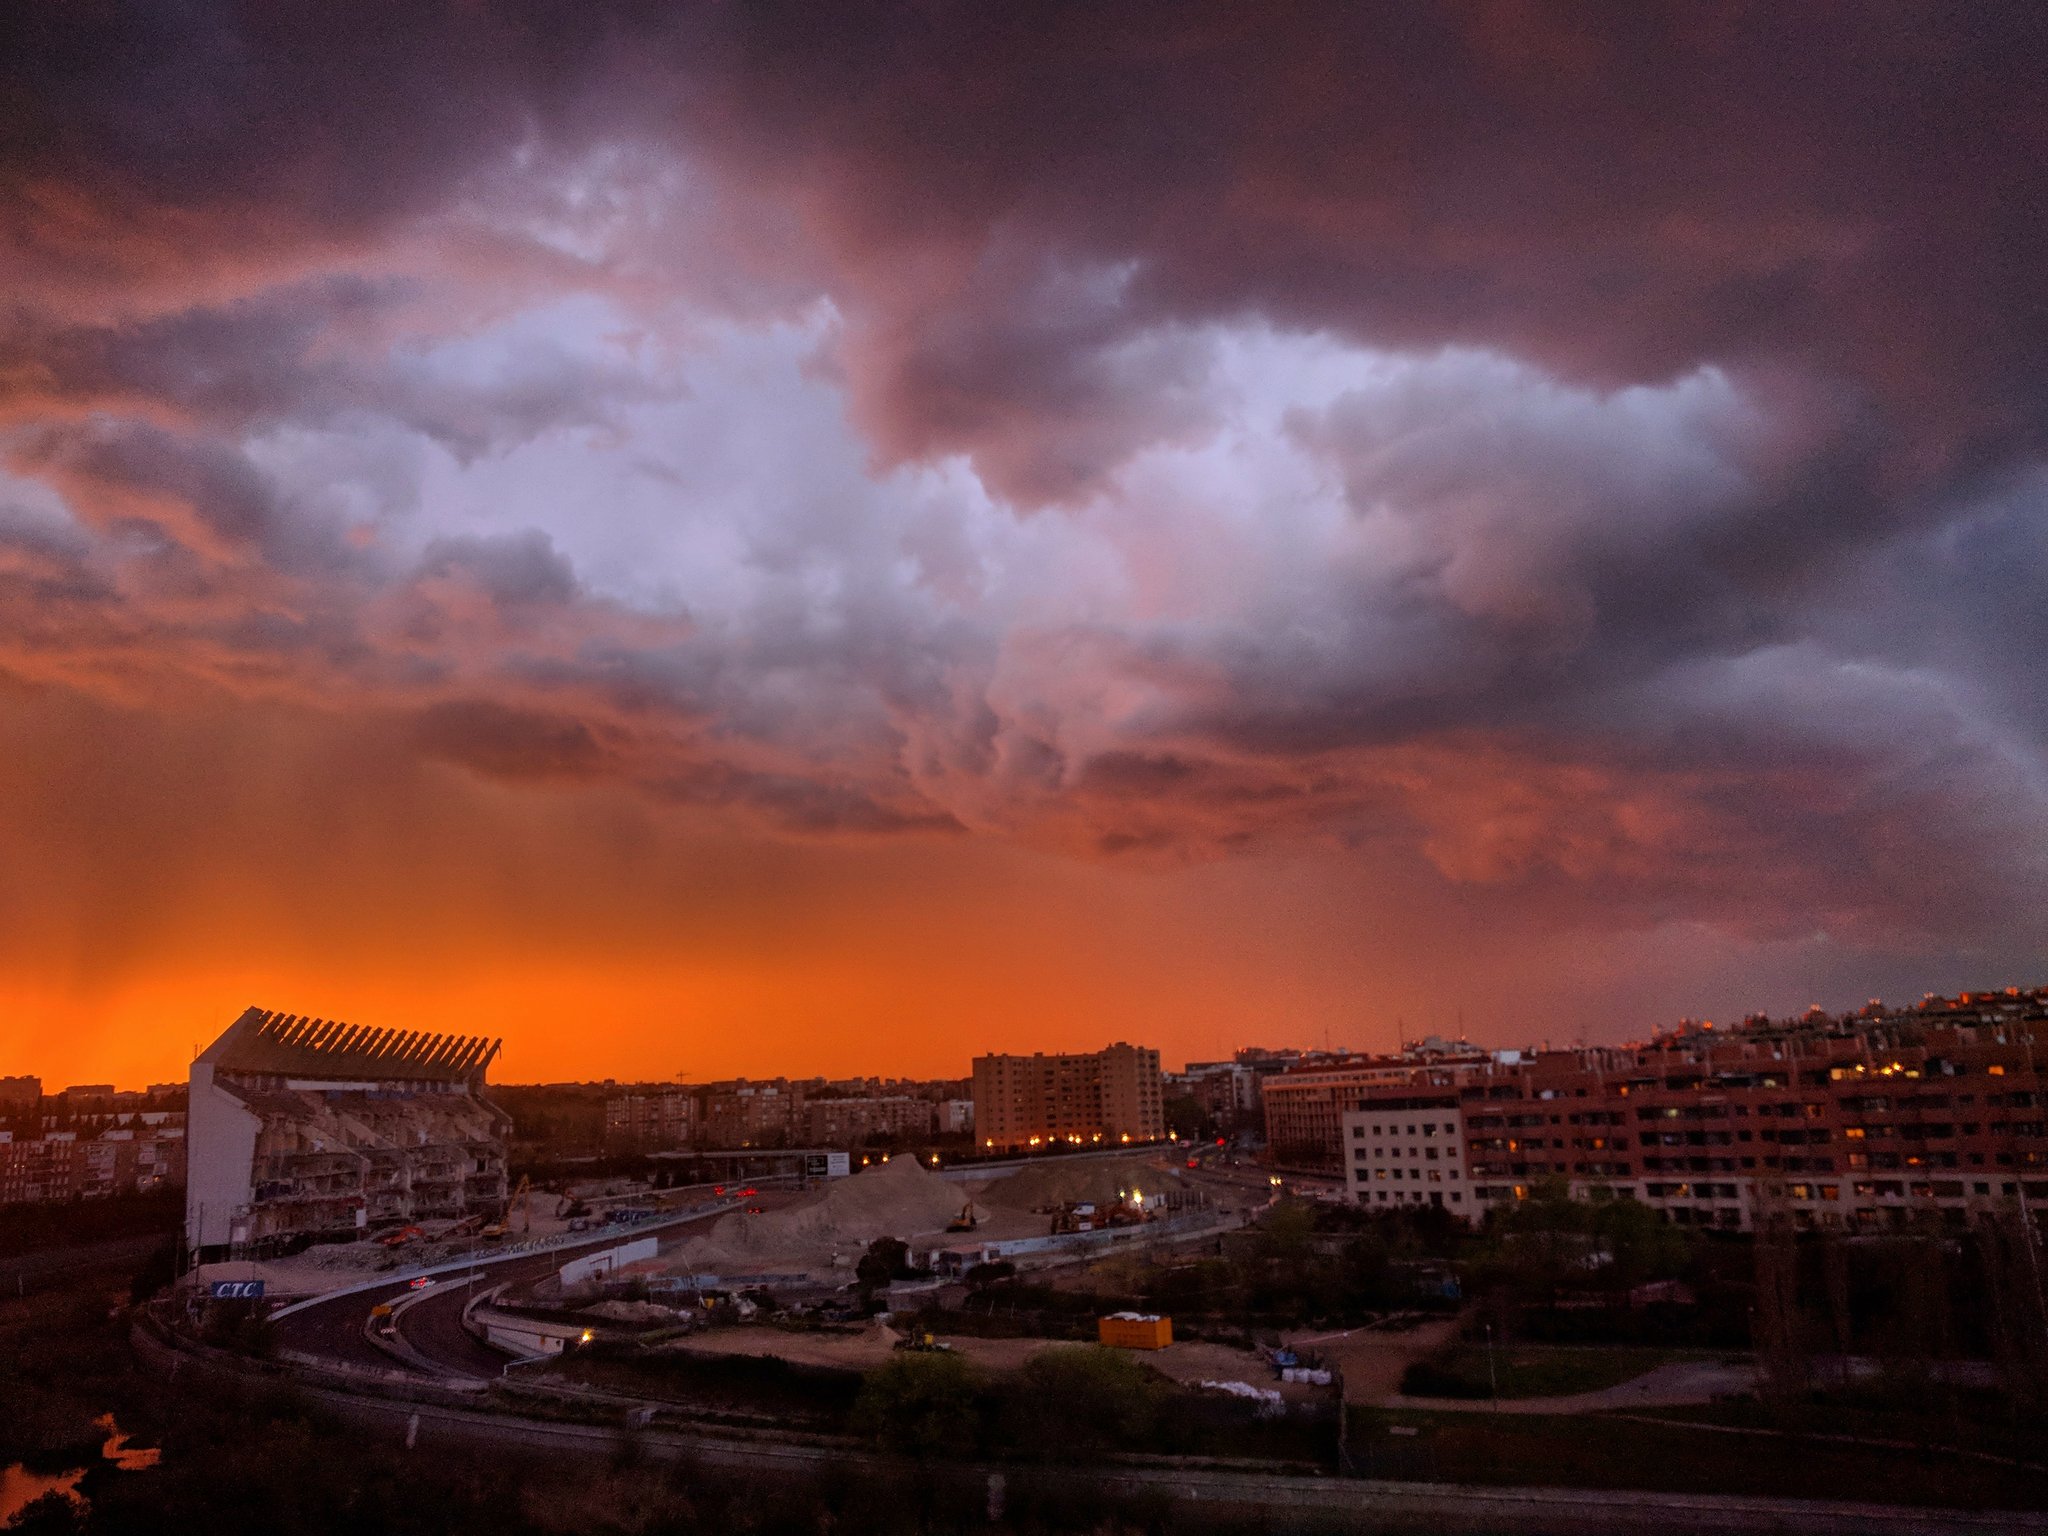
(1226,1091)
(954,1117)
(18,1093)
(1112,1096)
(304,1128)
(69,1165)
(1860,1121)
(1305,1105)
(661,1121)
(744,1114)
(853,1122)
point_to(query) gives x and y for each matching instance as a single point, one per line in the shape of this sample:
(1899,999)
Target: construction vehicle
(924,1344)
(966,1221)
(522,1202)
(400,1238)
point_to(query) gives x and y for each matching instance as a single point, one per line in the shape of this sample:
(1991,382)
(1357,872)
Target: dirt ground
(1187,1362)
(1372,1363)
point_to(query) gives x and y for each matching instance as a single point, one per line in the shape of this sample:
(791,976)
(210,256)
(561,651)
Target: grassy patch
(1532,1370)
(1599,1451)
(1931,1417)
(803,1396)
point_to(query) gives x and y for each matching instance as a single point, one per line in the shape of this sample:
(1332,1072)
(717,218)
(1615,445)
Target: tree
(1640,1244)
(1084,1397)
(1285,1233)
(2013,1268)
(983,1275)
(1779,1325)
(52,1514)
(921,1404)
(1186,1117)
(886,1259)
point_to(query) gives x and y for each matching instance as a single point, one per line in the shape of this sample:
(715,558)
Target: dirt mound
(1103,1180)
(898,1198)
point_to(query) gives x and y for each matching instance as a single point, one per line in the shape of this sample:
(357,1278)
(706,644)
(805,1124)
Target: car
(418,1283)
(757,1210)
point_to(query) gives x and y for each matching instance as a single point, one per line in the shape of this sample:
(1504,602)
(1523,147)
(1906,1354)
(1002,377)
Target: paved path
(1681,1384)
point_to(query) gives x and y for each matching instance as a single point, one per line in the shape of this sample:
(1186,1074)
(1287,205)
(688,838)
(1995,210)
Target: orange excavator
(966,1221)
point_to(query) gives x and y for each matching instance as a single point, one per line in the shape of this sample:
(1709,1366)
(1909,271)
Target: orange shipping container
(1134,1330)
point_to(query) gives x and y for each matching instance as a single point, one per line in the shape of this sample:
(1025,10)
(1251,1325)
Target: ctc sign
(236,1290)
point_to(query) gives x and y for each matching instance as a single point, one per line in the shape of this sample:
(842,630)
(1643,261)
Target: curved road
(336,1329)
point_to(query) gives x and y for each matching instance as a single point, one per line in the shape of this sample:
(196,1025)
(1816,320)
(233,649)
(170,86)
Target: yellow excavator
(966,1221)
(521,1201)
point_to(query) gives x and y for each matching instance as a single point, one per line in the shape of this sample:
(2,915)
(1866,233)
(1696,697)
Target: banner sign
(235,1290)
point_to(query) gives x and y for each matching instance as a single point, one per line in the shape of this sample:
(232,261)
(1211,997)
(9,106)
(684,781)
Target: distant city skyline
(738,1063)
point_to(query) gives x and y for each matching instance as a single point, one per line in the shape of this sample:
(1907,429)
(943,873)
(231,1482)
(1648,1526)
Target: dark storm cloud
(193,490)
(515,571)
(1018,196)
(1620,191)
(1693,522)
(309,354)
(234,126)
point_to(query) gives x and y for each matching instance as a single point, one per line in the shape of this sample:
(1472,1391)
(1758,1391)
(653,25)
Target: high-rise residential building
(306,1128)
(1112,1096)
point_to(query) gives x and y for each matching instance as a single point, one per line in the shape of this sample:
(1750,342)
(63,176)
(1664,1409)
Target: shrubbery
(1066,1403)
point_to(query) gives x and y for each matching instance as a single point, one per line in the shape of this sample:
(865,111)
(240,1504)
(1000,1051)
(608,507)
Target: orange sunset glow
(668,557)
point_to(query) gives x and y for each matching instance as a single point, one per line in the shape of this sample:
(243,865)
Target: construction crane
(522,1201)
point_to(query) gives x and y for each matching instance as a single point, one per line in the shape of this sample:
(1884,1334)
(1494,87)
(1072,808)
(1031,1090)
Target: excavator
(966,1221)
(521,1202)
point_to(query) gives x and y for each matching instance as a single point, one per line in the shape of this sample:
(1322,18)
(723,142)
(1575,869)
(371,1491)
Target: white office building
(1408,1150)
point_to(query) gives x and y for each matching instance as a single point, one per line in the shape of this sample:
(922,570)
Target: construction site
(843,1278)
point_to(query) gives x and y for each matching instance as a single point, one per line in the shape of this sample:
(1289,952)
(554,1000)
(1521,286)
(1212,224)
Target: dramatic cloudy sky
(720,538)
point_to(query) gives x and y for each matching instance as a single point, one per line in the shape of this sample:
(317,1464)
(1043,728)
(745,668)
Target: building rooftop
(287,1045)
